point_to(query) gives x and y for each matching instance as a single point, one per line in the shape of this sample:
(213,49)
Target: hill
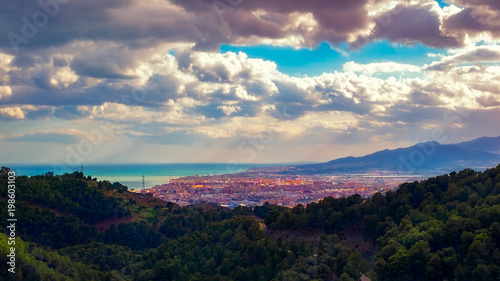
(445,227)
(422,158)
(488,144)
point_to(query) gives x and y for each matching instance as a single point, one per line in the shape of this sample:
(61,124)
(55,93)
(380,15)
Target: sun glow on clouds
(11,113)
(322,79)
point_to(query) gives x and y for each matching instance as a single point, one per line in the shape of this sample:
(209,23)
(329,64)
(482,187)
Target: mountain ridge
(427,157)
(488,144)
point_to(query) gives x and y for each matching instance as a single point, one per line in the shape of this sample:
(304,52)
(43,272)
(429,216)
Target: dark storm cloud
(29,26)
(412,24)
(101,69)
(464,22)
(210,23)
(23,61)
(50,22)
(336,18)
(492,4)
(341,15)
(477,16)
(202,22)
(59,62)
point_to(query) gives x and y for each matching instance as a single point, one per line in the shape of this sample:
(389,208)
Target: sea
(131,175)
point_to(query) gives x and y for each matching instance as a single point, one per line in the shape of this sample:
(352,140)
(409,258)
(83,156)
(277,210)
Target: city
(234,190)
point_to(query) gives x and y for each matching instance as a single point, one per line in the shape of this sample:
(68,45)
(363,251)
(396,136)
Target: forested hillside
(444,228)
(74,227)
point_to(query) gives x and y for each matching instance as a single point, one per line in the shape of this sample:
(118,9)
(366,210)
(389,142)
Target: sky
(243,81)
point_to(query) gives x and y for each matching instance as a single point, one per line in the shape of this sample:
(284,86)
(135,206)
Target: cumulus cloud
(208,86)
(207,24)
(410,24)
(383,67)
(5,92)
(470,55)
(151,68)
(11,113)
(478,16)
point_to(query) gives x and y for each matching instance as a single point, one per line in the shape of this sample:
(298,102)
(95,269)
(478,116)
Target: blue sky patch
(313,62)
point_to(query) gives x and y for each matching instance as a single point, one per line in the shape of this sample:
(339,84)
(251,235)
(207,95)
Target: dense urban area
(233,191)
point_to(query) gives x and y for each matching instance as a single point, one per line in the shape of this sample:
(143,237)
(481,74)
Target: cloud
(383,67)
(23,61)
(489,101)
(228,110)
(151,70)
(62,135)
(205,25)
(27,112)
(65,22)
(59,62)
(202,87)
(11,113)
(492,4)
(478,16)
(276,20)
(5,92)
(471,55)
(101,69)
(410,24)
(44,137)
(208,24)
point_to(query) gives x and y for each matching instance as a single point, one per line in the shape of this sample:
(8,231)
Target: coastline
(131,175)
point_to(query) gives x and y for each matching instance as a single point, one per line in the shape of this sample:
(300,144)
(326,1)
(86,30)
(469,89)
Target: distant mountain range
(482,144)
(422,158)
